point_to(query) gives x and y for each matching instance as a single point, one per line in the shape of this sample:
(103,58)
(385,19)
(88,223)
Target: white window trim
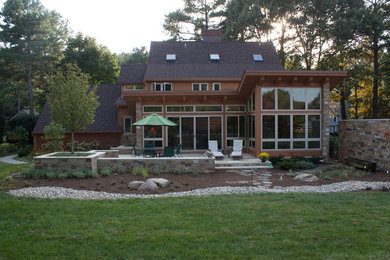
(236,137)
(195,111)
(143,108)
(152,138)
(162,87)
(291,139)
(200,86)
(216,83)
(291,99)
(169,112)
(124,124)
(134,88)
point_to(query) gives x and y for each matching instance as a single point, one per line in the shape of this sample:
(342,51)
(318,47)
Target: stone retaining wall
(367,139)
(66,163)
(201,164)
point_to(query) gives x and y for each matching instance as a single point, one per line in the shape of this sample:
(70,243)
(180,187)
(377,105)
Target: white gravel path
(59,192)
(10,159)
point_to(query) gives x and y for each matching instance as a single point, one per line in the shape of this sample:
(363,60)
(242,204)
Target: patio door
(202,133)
(187,133)
(194,132)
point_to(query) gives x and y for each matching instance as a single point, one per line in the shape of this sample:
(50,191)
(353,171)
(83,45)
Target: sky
(120,25)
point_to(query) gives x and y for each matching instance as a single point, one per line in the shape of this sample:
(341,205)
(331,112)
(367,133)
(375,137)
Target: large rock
(161,182)
(306,177)
(148,185)
(135,184)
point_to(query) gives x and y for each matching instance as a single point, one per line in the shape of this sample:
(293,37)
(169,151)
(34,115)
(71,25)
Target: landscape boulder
(148,185)
(161,182)
(306,177)
(135,184)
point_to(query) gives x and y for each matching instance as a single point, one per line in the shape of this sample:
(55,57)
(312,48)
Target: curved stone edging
(59,192)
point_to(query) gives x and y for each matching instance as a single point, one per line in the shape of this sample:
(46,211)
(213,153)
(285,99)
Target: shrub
(106,171)
(304,165)
(52,175)
(83,146)
(287,164)
(144,172)
(27,122)
(194,171)
(28,172)
(120,170)
(90,174)
(80,174)
(25,151)
(64,175)
(177,170)
(156,171)
(137,171)
(276,159)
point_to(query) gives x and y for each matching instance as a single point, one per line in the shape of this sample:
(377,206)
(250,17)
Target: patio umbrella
(154,120)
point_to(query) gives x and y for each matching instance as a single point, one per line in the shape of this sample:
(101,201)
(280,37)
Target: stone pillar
(138,131)
(325,120)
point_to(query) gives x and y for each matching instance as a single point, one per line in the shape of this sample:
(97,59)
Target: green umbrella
(155,120)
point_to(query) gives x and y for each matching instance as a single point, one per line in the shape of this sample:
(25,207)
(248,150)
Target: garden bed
(118,183)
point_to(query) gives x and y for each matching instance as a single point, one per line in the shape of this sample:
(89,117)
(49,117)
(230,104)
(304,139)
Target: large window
(235,129)
(291,98)
(285,132)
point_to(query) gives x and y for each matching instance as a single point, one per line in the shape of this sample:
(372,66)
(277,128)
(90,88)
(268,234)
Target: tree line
(36,43)
(350,35)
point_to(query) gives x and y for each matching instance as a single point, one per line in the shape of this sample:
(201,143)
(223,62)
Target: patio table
(151,152)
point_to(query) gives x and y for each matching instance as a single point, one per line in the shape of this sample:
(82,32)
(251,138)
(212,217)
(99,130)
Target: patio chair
(213,147)
(178,151)
(237,149)
(168,152)
(136,152)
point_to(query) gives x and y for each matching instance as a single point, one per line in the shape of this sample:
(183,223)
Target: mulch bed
(183,182)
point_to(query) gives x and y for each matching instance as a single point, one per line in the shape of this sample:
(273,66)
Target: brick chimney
(212,35)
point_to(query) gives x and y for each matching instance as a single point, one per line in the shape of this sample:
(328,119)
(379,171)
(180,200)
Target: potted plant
(263,157)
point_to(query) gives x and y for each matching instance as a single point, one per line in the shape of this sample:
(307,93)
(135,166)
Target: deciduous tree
(72,101)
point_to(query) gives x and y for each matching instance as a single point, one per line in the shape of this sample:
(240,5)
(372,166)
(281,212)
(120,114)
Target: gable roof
(106,117)
(193,59)
(132,74)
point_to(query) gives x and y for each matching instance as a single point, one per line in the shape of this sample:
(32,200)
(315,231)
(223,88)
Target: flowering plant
(263,156)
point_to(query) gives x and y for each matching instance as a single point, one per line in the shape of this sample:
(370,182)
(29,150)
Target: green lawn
(278,226)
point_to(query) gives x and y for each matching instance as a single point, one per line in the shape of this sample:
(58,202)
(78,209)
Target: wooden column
(258,132)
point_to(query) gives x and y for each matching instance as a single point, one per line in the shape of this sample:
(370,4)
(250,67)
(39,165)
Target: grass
(7,169)
(280,226)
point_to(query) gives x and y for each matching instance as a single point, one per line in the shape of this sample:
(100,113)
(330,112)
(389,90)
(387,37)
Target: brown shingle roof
(106,118)
(193,59)
(132,74)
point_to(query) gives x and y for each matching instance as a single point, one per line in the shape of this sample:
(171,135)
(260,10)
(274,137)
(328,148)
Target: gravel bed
(59,192)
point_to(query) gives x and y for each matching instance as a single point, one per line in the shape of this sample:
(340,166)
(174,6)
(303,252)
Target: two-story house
(216,90)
